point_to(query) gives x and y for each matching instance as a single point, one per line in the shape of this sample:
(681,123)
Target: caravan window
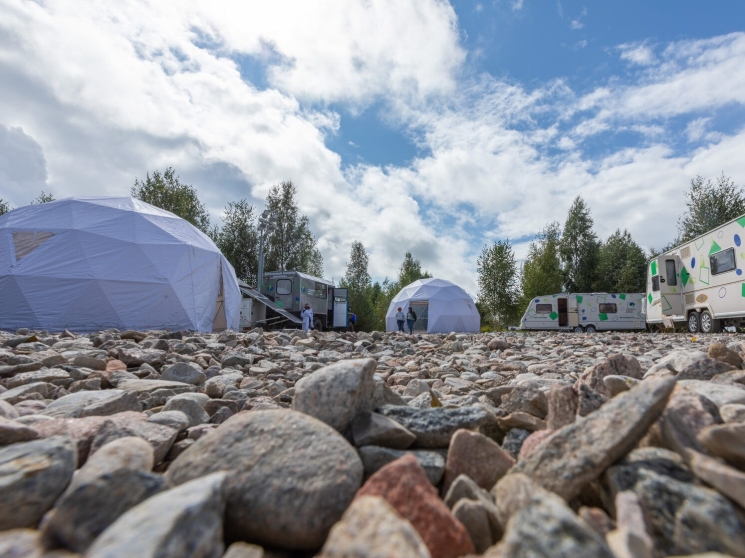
(656,283)
(284,286)
(722,261)
(543,308)
(672,280)
(320,290)
(608,308)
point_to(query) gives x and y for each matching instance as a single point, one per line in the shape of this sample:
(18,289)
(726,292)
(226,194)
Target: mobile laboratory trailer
(700,282)
(284,295)
(585,312)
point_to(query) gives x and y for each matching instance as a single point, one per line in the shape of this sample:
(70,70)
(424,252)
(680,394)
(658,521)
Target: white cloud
(517,5)
(640,54)
(577,24)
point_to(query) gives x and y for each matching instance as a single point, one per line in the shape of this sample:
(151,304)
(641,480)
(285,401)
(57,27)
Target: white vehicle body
(586,312)
(700,282)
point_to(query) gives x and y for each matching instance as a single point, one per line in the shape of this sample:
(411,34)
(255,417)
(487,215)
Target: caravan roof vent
(685,252)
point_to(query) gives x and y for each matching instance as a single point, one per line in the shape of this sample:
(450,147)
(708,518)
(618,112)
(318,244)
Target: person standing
(400,319)
(351,320)
(307,316)
(411,318)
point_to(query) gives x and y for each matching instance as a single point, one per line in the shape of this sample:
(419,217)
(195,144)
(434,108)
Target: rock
(720,394)
(189,406)
(720,352)
(526,398)
(160,437)
(475,518)
(615,365)
(373,429)
(597,519)
(244,550)
(22,543)
(539,523)
(72,405)
(405,486)
(137,357)
(589,400)
(217,385)
(630,539)
(617,384)
(291,476)
(12,432)
(231,360)
(523,421)
(433,428)
(371,528)
(8,411)
(18,394)
(374,458)
(89,362)
(562,407)
(682,518)
(579,453)
(337,393)
(149,386)
(184,372)
(47,375)
(728,481)
(32,476)
(183,521)
(173,419)
(729,413)
(116,403)
(478,457)
(514,440)
(134,335)
(726,441)
(532,442)
(704,369)
(464,488)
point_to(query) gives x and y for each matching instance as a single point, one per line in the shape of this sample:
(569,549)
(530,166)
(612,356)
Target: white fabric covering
(450,307)
(87,264)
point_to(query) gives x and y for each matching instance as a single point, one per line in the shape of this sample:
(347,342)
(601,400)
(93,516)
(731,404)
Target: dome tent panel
(449,306)
(150,269)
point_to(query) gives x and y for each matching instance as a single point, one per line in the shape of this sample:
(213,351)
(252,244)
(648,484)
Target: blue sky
(415,125)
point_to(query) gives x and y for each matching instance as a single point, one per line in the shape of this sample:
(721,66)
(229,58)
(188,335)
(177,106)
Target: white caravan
(588,312)
(700,282)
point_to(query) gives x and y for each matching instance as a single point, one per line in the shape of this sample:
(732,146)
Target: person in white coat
(307,316)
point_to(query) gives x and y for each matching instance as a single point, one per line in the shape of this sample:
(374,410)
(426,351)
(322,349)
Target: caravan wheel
(693,322)
(708,324)
(578,329)
(590,329)
(317,324)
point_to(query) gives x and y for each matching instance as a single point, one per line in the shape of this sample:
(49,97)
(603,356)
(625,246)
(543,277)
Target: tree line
(571,258)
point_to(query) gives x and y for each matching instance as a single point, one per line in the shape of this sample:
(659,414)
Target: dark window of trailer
(656,283)
(543,309)
(284,286)
(608,308)
(723,261)
(672,280)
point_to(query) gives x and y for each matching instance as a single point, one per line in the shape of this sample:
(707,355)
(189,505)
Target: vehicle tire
(708,324)
(694,322)
(590,329)
(317,324)
(578,329)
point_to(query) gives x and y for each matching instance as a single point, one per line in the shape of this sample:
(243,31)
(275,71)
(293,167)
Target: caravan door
(341,307)
(671,289)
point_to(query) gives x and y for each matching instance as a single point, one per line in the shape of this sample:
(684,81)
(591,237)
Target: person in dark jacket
(410,319)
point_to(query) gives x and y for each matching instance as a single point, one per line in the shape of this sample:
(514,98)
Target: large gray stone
(372,528)
(374,429)
(175,419)
(230,360)
(44,375)
(17,394)
(189,406)
(185,521)
(149,386)
(527,398)
(185,372)
(72,405)
(433,428)
(291,476)
(32,476)
(12,432)
(720,394)
(577,454)
(375,457)
(159,436)
(337,393)
(615,365)
(136,357)
(118,402)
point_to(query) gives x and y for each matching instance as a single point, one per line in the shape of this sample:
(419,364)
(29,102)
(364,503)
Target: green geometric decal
(654,267)
(649,296)
(714,247)
(622,296)
(665,304)
(741,220)
(684,275)
(743,289)
(699,242)
(603,317)
(553,315)
(703,275)
(579,299)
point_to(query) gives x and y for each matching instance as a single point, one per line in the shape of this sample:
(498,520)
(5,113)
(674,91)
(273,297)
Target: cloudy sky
(415,125)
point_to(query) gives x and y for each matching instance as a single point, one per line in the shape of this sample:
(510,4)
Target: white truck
(700,283)
(585,312)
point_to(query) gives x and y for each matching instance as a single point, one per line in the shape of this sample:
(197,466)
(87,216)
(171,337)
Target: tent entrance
(422,315)
(220,323)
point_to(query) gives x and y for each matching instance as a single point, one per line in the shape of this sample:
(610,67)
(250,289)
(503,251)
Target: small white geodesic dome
(449,307)
(87,264)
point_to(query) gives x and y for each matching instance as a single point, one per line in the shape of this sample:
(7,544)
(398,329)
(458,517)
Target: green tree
(541,271)
(381,296)
(709,205)
(167,192)
(238,240)
(4,206)
(410,271)
(622,265)
(498,283)
(357,279)
(291,245)
(43,198)
(578,249)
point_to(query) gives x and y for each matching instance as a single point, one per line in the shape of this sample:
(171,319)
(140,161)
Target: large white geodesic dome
(87,264)
(445,305)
